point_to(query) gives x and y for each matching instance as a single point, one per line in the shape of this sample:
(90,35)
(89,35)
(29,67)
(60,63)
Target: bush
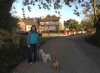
(12,56)
(4,33)
(94,40)
(9,58)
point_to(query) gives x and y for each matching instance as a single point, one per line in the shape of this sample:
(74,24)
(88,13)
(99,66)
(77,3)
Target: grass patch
(55,34)
(45,39)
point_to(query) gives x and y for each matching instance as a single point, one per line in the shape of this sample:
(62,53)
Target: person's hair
(32,29)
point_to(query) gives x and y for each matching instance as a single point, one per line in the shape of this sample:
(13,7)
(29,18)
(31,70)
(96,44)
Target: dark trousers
(32,53)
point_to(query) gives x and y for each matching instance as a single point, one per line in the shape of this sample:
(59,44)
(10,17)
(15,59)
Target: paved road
(73,53)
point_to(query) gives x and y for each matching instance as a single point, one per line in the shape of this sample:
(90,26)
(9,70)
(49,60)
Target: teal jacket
(33,38)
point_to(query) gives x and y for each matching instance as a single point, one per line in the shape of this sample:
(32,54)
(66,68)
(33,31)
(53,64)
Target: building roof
(28,21)
(50,19)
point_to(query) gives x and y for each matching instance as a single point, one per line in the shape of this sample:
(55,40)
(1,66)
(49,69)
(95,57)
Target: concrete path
(73,53)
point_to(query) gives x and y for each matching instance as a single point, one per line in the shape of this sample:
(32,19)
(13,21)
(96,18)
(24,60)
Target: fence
(6,42)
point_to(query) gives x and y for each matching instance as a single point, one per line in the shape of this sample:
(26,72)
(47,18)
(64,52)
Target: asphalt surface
(74,54)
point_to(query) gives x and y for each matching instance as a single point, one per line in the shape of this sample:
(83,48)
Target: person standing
(32,43)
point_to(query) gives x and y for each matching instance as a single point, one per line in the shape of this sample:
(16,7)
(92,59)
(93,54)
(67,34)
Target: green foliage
(97,25)
(10,57)
(13,26)
(4,33)
(7,22)
(71,24)
(45,39)
(56,4)
(85,23)
(88,8)
(94,40)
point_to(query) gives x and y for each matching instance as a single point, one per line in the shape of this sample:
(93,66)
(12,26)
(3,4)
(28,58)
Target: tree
(83,23)
(98,25)
(48,16)
(37,20)
(92,14)
(97,17)
(6,21)
(86,22)
(71,24)
(57,4)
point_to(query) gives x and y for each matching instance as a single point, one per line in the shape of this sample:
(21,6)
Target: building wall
(44,26)
(49,25)
(22,26)
(61,24)
(28,27)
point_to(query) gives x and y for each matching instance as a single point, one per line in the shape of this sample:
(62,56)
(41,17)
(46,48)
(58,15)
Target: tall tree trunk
(95,16)
(94,7)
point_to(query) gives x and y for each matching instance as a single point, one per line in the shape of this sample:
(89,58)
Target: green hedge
(11,57)
(94,40)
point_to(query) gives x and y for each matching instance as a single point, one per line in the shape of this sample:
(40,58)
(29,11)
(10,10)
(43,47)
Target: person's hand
(28,46)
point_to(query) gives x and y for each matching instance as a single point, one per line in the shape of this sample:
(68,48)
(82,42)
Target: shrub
(12,56)
(9,58)
(94,40)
